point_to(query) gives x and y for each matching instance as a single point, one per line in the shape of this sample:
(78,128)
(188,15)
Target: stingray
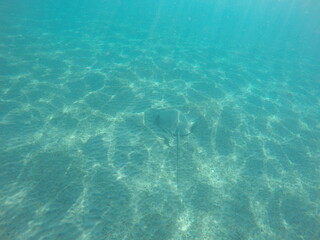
(176,124)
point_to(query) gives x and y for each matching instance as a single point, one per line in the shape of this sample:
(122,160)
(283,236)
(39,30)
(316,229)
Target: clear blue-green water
(81,153)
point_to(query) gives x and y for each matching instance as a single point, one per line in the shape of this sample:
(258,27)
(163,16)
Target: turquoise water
(81,153)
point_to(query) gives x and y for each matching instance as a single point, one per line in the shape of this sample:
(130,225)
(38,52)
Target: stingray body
(174,122)
(177,125)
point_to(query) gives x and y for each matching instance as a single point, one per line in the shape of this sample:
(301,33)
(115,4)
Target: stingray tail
(178,159)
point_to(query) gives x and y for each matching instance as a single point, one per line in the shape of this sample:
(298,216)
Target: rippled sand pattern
(81,157)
